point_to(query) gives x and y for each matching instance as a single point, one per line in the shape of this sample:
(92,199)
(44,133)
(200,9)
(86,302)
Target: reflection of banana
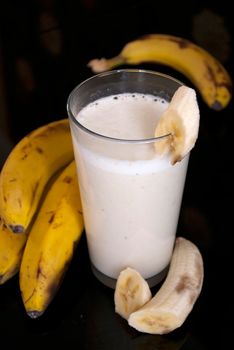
(169,308)
(51,243)
(131,292)
(181,121)
(206,73)
(11,252)
(26,171)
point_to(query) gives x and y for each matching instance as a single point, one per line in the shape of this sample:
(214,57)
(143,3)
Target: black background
(37,78)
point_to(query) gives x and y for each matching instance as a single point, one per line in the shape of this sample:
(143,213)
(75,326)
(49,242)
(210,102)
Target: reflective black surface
(82,313)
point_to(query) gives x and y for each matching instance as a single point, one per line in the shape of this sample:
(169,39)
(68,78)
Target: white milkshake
(131,198)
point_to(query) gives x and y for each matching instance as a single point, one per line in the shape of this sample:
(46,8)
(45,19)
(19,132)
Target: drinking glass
(131,197)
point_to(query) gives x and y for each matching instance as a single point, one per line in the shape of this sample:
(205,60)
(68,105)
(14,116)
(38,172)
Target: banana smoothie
(131,197)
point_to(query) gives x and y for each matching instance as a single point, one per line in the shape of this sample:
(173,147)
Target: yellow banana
(27,170)
(206,73)
(11,252)
(51,243)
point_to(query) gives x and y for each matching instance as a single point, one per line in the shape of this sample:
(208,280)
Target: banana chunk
(171,305)
(131,292)
(181,122)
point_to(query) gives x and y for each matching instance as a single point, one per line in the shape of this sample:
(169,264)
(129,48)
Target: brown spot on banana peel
(26,147)
(19,202)
(40,271)
(25,150)
(46,132)
(39,150)
(67,179)
(56,225)
(51,219)
(24,156)
(35,188)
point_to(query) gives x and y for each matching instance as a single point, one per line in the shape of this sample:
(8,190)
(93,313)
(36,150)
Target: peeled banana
(171,305)
(181,122)
(27,170)
(51,243)
(206,73)
(11,252)
(131,292)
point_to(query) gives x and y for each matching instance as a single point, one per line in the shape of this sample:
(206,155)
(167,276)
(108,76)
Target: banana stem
(103,64)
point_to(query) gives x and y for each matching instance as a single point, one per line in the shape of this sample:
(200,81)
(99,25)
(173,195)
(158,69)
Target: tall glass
(131,198)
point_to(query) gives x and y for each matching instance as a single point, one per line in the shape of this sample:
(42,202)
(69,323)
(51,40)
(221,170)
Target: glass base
(111,282)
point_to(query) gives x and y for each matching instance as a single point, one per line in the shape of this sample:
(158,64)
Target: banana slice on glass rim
(181,122)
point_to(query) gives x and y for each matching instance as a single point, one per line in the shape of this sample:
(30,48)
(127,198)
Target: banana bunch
(206,73)
(171,305)
(41,214)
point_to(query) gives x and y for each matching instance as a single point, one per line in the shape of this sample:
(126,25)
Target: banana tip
(34,314)
(17,228)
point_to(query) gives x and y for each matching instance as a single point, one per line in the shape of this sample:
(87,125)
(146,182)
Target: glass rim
(109,138)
